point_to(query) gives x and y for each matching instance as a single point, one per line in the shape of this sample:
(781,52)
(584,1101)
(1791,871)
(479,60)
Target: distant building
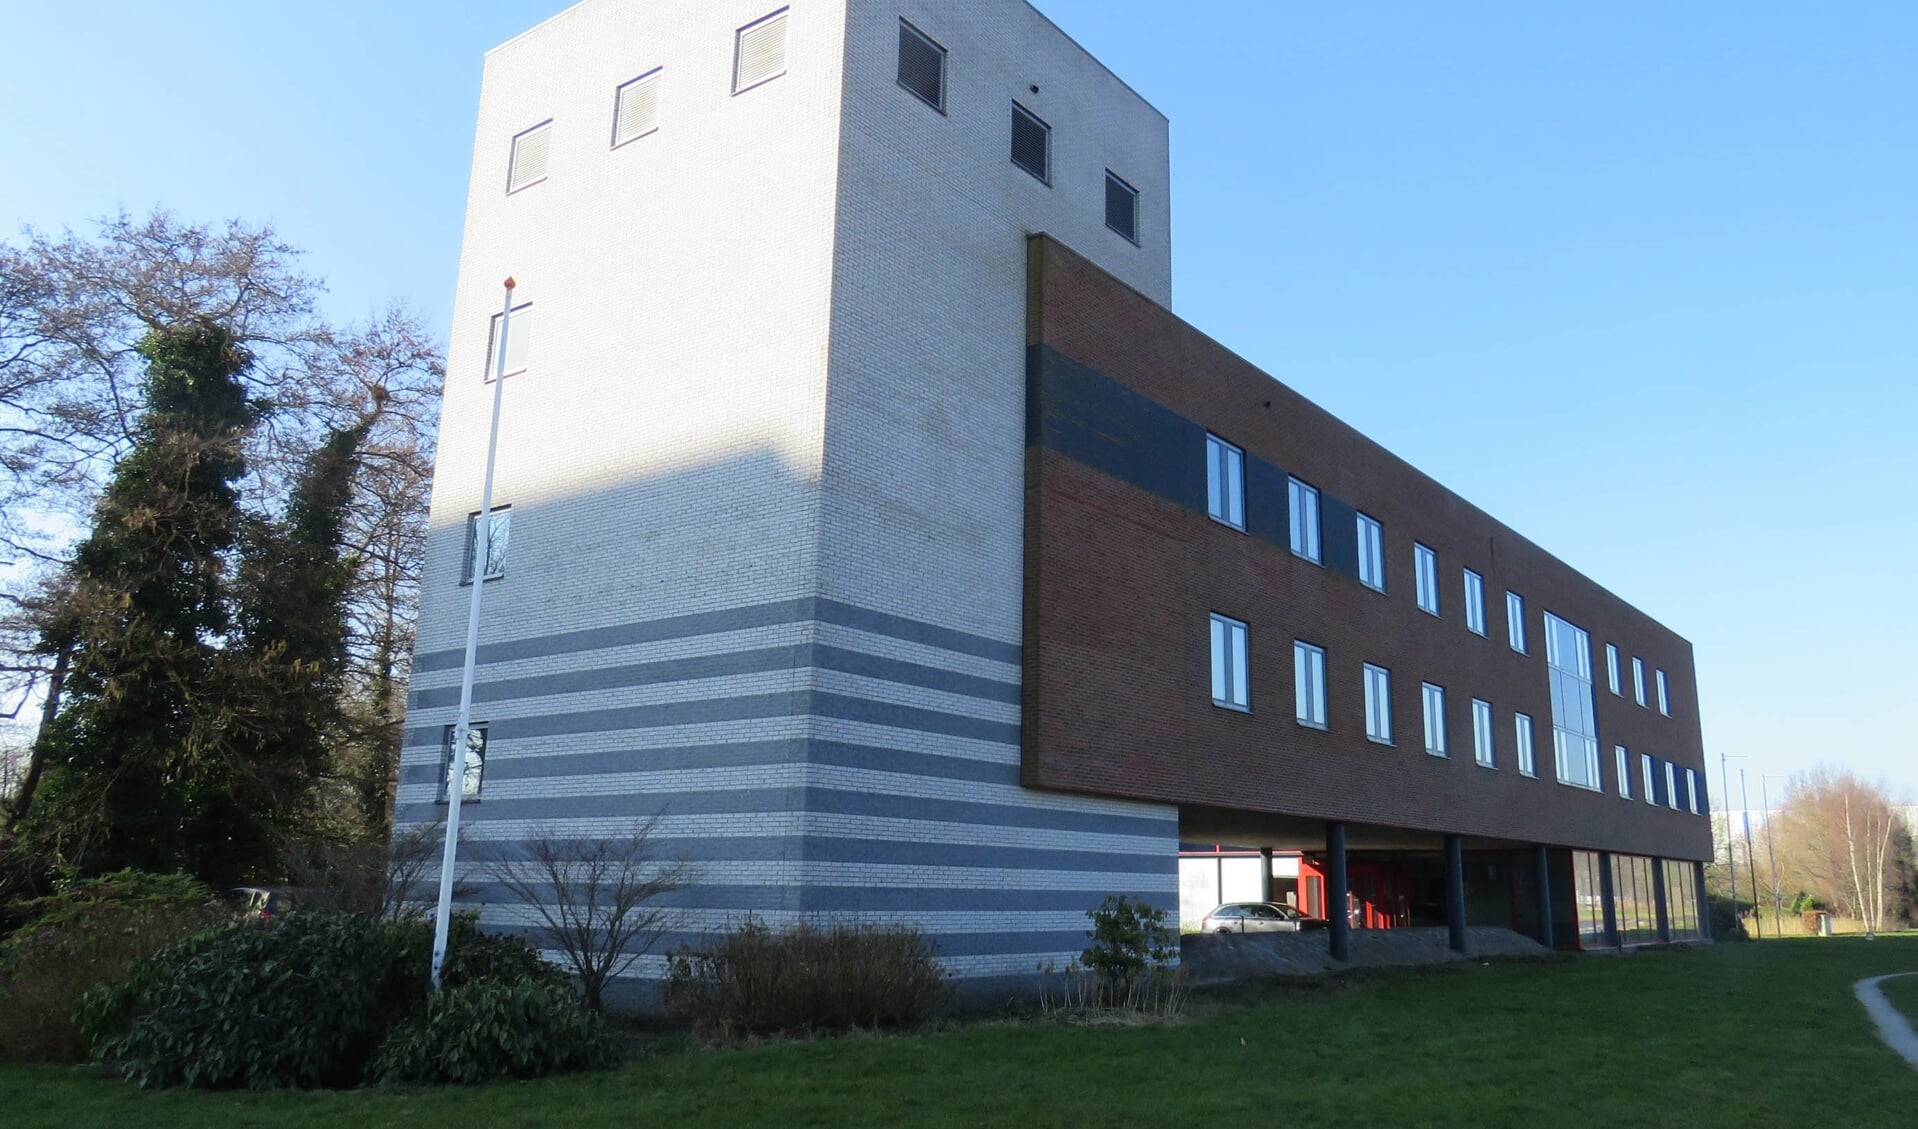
(864,511)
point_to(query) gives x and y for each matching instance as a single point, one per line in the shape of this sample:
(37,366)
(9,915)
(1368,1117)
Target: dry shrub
(1080,995)
(808,978)
(81,937)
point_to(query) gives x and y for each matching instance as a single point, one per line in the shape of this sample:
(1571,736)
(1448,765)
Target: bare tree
(1843,840)
(596,898)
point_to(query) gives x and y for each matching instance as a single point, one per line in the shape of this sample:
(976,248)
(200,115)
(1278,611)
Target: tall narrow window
(498,532)
(519,343)
(1434,719)
(1308,676)
(1611,666)
(1691,790)
(1303,501)
(759,52)
(1482,733)
(1474,602)
(1664,693)
(1671,785)
(1623,764)
(1515,620)
(1425,568)
(532,154)
(1122,207)
(922,66)
(1651,778)
(1378,704)
(1638,680)
(1527,760)
(1230,687)
(1568,657)
(1225,482)
(474,772)
(1371,553)
(1031,143)
(636,108)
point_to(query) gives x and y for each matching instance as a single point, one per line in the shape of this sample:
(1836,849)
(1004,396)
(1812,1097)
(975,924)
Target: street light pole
(1744,801)
(462,728)
(1731,858)
(1771,853)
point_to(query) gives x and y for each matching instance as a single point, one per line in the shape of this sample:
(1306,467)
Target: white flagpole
(456,763)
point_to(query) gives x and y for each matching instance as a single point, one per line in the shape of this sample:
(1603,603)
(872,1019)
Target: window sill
(1321,726)
(1319,561)
(1386,741)
(1432,612)
(1485,764)
(1229,706)
(1237,527)
(1379,588)
(1528,775)
(1438,753)
(1581,787)
(468,582)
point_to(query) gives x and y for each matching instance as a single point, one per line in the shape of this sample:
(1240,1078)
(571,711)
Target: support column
(1455,893)
(1544,863)
(1609,897)
(1664,911)
(1265,874)
(1338,915)
(1704,902)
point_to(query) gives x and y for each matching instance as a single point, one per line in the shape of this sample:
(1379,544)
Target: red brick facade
(1120,583)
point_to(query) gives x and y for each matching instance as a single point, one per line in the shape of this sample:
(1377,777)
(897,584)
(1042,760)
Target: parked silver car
(1258,917)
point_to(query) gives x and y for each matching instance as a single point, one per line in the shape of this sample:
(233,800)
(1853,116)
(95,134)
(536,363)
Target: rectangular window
(1568,658)
(1371,553)
(1527,760)
(1122,207)
(1474,602)
(532,154)
(498,532)
(1378,704)
(1308,676)
(1482,733)
(1229,683)
(1691,790)
(510,361)
(1623,764)
(1588,898)
(1425,569)
(1031,143)
(759,52)
(1664,693)
(1515,620)
(1303,501)
(1611,666)
(1650,776)
(1434,719)
(1225,482)
(922,66)
(636,108)
(475,767)
(1671,785)
(1638,680)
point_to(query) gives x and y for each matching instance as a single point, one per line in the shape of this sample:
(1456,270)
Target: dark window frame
(907,33)
(1045,132)
(1114,180)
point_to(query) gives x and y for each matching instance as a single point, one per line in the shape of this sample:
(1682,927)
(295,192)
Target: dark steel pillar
(1658,892)
(1265,874)
(1544,864)
(1704,902)
(1338,915)
(1455,893)
(1608,896)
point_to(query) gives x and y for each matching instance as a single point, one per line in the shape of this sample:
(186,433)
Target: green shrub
(301,1001)
(756,981)
(484,1030)
(85,935)
(1129,938)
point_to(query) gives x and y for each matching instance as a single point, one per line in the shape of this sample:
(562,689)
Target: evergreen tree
(139,770)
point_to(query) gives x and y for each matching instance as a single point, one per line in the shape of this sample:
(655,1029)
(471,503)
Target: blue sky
(1641,279)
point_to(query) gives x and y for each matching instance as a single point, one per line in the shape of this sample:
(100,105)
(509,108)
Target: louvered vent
(922,66)
(636,113)
(532,151)
(1031,143)
(1122,207)
(761,53)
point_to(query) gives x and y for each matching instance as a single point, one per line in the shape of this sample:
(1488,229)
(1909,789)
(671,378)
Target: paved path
(1893,1027)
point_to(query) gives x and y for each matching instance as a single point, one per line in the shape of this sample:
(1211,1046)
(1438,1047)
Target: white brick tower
(765,459)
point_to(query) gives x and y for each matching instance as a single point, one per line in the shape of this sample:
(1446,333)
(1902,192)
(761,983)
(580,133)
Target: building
(852,518)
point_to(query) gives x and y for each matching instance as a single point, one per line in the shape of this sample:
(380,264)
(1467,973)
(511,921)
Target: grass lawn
(1903,994)
(1747,1035)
